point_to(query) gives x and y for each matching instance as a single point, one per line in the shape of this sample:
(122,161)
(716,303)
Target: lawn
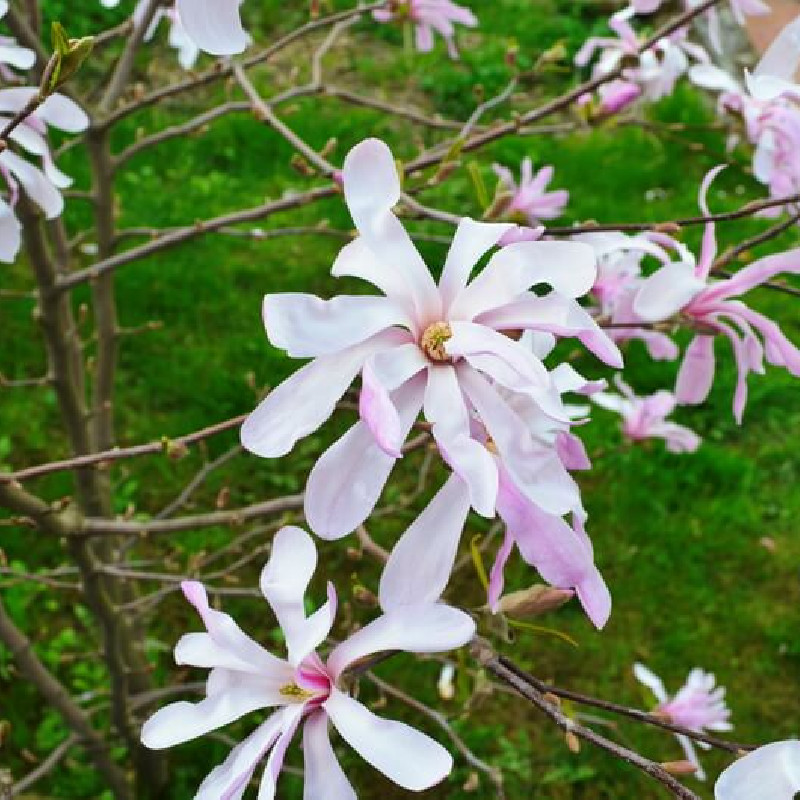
(701,552)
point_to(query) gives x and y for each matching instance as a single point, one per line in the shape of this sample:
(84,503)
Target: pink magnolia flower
(646,417)
(414,347)
(698,705)
(683,288)
(215,26)
(530,200)
(428,16)
(304,689)
(561,552)
(770,773)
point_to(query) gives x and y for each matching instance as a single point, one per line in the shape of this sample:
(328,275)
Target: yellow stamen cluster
(295,692)
(433,341)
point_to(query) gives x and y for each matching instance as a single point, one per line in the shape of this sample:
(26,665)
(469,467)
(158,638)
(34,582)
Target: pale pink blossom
(770,773)
(712,308)
(429,17)
(529,200)
(559,550)
(303,689)
(215,26)
(646,417)
(414,347)
(698,705)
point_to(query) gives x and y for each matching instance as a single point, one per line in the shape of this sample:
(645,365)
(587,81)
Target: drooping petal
(10,233)
(405,755)
(371,188)
(568,267)
(306,399)
(306,326)
(420,564)
(651,681)
(269,780)
(770,773)
(323,778)
(666,292)
(36,185)
(471,241)
(345,483)
(214,25)
(445,409)
(696,374)
(430,628)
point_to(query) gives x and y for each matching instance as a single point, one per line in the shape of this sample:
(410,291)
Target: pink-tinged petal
(428,628)
(447,412)
(535,468)
(571,451)
(471,242)
(708,249)
(371,188)
(497,574)
(10,234)
(696,374)
(666,292)
(754,275)
(356,260)
(35,183)
(408,578)
(347,480)
(181,722)
(213,25)
(568,267)
(555,314)
(649,679)
(305,400)
(770,773)
(405,755)
(323,778)
(423,38)
(306,326)
(229,780)
(593,594)
(269,780)
(780,351)
(226,644)
(382,374)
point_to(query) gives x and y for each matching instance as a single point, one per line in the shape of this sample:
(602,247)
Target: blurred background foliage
(701,551)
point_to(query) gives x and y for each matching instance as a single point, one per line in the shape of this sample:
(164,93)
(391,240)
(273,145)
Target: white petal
(35,184)
(348,478)
(415,629)
(63,113)
(770,773)
(307,326)
(323,777)
(306,399)
(471,241)
(651,681)
(405,755)
(666,292)
(410,579)
(10,233)
(214,25)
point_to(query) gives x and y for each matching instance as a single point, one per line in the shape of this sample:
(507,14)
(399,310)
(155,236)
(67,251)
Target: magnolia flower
(304,689)
(683,288)
(419,347)
(698,705)
(562,553)
(429,16)
(645,417)
(770,773)
(530,199)
(215,26)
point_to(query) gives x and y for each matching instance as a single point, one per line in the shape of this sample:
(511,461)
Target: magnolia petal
(405,755)
(269,780)
(10,233)
(306,399)
(345,483)
(666,292)
(568,267)
(214,25)
(770,773)
(649,679)
(408,579)
(430,628)
(755,274)
(696,374)
(323,778)
(471,242)
(35,184)
(306,326)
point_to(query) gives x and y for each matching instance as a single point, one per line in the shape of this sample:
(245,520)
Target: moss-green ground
(680,539)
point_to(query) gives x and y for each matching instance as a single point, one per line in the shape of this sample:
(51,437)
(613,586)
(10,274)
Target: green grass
(678,538)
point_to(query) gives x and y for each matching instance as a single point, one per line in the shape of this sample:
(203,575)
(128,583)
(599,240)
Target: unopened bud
(534,601)
(445,685)
(174,450)
(573,742)
(679,767)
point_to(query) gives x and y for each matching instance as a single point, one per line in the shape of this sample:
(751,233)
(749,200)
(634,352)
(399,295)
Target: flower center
(295,692)
(433,341)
